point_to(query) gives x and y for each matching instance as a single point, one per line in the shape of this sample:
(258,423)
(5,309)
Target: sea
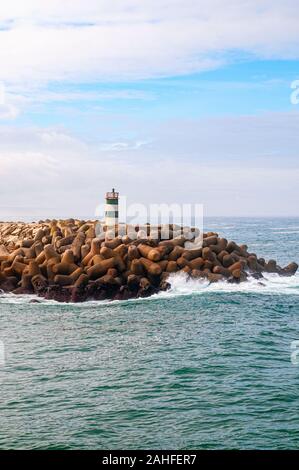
(198,367)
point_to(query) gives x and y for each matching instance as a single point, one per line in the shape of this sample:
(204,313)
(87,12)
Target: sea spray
(182,285)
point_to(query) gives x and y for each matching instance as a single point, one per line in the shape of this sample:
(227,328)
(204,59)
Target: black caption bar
(152,458)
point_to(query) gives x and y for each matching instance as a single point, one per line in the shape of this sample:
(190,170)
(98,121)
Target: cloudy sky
(170,101)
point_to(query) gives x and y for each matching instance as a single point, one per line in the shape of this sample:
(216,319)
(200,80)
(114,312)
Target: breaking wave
(182,286)
(270,284)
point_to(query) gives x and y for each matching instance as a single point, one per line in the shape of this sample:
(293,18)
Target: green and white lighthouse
(111,209)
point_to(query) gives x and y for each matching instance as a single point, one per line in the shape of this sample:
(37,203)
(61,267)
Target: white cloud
(242,166)
(9,105)
(41,95)
(269,139)
(48,172)
(127,39)
(8,111)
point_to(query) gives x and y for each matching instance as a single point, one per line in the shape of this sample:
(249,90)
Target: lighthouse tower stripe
(111,209)
(111,222)
(113,201)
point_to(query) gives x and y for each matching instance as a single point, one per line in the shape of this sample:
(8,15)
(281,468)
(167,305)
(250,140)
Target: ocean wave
(182,286)
(291,232)
(270,284)
(285,228)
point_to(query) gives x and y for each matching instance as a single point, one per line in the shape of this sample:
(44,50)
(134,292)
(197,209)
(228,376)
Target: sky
(177,101)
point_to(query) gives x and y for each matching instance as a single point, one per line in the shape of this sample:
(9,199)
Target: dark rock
(289,270)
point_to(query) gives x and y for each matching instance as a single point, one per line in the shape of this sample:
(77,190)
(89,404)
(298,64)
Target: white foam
(270,284)
(182,286)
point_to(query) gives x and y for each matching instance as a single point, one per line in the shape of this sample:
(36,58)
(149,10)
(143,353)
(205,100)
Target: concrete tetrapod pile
(67,261)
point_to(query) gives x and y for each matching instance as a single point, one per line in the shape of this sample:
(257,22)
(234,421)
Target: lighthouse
(111,209)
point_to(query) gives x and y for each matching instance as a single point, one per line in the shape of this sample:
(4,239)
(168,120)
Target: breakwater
(68,261)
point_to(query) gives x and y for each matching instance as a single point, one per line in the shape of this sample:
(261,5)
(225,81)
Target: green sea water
(199,367)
